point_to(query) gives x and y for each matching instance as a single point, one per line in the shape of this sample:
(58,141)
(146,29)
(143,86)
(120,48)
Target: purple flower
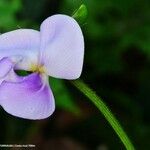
(57,51)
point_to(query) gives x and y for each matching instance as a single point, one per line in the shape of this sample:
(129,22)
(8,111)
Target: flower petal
(6,70)
(5,66)
(29,98)
(21,42)
(62,47)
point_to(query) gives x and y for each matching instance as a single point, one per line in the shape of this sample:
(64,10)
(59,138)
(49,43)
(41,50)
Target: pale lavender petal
(29,98)
(62,47)
(21,42)
(6,70)
(5,66)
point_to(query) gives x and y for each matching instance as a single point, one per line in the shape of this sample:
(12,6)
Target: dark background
(116,66)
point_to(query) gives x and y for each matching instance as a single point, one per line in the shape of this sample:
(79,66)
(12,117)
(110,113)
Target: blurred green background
(116,66)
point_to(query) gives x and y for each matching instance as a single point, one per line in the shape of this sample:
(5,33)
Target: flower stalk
(100,104)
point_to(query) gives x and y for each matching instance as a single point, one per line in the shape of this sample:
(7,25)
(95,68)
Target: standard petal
(21,42)
(29,98)
(62,47)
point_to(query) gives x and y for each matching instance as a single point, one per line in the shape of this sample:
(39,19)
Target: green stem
(98,102)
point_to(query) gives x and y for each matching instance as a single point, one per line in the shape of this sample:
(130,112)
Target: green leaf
(81,14)
(8,10)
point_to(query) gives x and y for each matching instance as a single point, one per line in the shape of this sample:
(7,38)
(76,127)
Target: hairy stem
(99,103)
